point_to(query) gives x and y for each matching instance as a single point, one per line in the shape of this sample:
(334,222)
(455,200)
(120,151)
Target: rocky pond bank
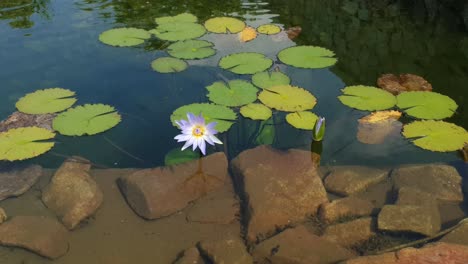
(264,206)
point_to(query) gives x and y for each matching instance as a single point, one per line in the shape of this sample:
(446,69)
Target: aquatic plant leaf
(191,49)
(124,37)
(178,31)
(168,65)
(224,25)
(89,119)
(436,135)
(269,29)
(245,63)
(233,93)
(184,18)
(367,98)
(222,115)
(287,98)
(266,79)
(426,105)
(178,156)
(256,111)
(310,57)
(267,133)
(247,34)
(302,120)
(51,100)
(24,143)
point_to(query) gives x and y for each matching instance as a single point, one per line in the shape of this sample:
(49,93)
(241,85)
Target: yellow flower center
(198,131)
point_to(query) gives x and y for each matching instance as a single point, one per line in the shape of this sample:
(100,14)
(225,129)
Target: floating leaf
(269,29)
(178,31)
(302,120)
(266,80)
(245,63)
(87,119)
(191,49)
(224,116)
(247,34)
(184,18)
(178,156)
(224,25)
(256,111)
(168,65)
(24,143)
(124,37)
(380,116)
(309,57)
(367,98)
(426,105)
(46,101)
(233,93)
(287,98)
(436,135)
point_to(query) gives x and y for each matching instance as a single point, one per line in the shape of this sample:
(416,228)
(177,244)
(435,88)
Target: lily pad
(89,119)
(224,25)
(184,18)
(426,105)
(168,65)
(124,37)
(222,115)
(247,34)
(266,80)
(310,57)
(302,120)
(233,93)
(24,143)
(46,101)
(436,135)
(269,29)
(178,31)
(191,49)
(177,156)
(256,111)
(367,98)
(287,98)
(245,63)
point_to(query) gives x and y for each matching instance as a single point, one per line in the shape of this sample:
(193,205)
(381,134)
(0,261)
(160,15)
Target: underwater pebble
(352,232)
(229,250)
(345,207)
(3,215)
(15,181)
(348,180)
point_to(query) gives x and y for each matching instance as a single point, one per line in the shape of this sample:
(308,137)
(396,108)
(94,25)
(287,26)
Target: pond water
(52,43)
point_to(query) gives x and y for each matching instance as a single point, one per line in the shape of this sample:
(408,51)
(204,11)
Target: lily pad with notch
(178,31)
(180,18)
(426,105)
(269,29)
(302,120)
(266,79)
(367,98)
(168,65)
(191,49)
(47,101)
(309,57)
(232,93)
(124,37)
(224,25)
(287,98)
(222,115)
(245,63)
(24,143)
(256,111)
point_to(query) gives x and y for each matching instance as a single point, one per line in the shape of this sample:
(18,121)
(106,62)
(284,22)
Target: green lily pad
(367,98)
(124,37)
(178,156)
(178,31)
(180,18)
(89,119)
(302,120)
(287,98)
(245,63)
(46,101)
(168,65)
(436,135)
(24,143)
(233,93)
(224,25)
(426,105)
(309,57)
(256,111)
(266,80)
(269,29)
(191,49)
(222,115)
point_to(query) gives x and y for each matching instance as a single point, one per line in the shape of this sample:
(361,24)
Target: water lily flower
(319,129)
(195,132)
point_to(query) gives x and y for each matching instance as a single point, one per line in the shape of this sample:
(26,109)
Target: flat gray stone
(344,207)
(229,250)
(409,218)
(348,180)
(14,181)
(352,232)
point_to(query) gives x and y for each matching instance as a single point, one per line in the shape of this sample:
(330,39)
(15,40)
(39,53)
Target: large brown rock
(14,181)
(225,251)
(3,215)
(280,188)
(345,207)
(44,236)
(409,218)
(348,180)
(72,194)
(352,232)
(299,246)
(162,191)
(190,256)
(218,207)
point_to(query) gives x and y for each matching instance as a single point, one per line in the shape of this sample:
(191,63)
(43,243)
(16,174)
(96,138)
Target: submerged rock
(218,207)
(162,191)
(190,256)
(459,235)
(409,218)
(348,180)
(16,181)
(72,194)
(18,119)
(352,232)
(345,207)
(42,235)
(229,250)
(280,188)
(403,83)
(3,215)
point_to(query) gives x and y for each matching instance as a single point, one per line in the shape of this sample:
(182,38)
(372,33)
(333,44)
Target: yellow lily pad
(288,98)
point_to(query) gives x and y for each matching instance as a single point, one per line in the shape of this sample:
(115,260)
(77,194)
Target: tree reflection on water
(18,12)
